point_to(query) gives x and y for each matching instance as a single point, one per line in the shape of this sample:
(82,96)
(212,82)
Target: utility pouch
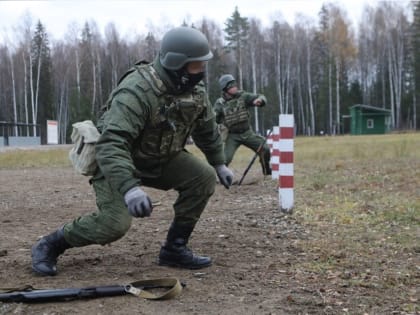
(82,155)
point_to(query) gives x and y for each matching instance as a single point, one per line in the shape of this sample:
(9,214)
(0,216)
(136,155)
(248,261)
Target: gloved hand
(138,202)
(225,175)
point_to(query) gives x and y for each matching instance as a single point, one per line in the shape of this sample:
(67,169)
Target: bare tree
(255,37)
(397,28)
(112,40)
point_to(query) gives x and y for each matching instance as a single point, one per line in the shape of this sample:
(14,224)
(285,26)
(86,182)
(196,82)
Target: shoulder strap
(173,283)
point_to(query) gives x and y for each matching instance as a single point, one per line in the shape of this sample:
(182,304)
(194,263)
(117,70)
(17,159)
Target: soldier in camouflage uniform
(144,127)
(233,117)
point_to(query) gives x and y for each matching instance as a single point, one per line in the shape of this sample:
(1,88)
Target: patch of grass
(34,158)
(360,198)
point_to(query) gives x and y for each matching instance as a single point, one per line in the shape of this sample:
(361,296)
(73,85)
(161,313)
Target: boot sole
(191,267)
(44,274)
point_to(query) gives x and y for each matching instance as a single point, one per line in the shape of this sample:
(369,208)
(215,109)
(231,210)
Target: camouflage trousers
(194,180)
(252,141)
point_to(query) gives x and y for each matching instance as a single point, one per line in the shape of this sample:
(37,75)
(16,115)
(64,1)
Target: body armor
(171,118)
(236,114)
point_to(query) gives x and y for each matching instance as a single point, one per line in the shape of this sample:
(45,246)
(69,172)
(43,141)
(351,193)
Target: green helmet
(182,45)
(225,80)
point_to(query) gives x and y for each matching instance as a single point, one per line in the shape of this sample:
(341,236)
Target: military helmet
(225,80)
(182,45)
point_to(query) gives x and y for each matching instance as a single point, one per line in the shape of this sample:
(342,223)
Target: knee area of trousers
(114,230)
(208,180)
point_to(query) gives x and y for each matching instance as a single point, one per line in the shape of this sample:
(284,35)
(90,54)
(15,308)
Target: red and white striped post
(275,152)
(281,147)
(286,170)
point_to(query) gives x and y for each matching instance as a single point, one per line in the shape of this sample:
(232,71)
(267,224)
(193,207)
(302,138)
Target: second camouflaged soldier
(233,117)
(144,128)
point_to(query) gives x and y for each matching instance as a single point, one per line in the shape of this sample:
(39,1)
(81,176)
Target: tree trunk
(278,77)
(15,118)
(254,88)
(25,93)
(337,85)
(391,93)
(330,114)
(31,83)
(414,107)
(38,76)
(287,84)
(78,79)
(308,73)
(241,84)
(93,108)
(98,56)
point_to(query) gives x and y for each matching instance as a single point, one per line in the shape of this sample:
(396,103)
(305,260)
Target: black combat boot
(46,251)
(265,163)
(175,253)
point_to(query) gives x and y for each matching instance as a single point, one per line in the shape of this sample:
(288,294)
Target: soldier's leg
(195,180)
(106,225)
(231,145)
(253,141)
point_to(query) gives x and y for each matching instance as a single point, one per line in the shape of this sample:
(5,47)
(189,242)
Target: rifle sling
(173,283)
(138,288)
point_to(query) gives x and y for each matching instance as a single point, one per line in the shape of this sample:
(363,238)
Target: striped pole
(275,152)
(285,172)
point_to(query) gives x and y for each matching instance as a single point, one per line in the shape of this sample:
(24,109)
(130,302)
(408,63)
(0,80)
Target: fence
(19,134)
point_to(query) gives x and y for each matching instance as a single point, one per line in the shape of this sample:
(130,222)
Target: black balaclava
(184,81)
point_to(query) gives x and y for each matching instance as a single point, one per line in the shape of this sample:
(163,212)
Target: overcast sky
(132,17)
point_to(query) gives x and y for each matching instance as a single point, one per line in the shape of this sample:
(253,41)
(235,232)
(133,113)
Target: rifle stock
(60,295)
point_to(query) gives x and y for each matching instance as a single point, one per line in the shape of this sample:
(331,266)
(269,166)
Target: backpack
(82,155)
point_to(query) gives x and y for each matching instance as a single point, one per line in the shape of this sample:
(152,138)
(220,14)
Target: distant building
(367,120)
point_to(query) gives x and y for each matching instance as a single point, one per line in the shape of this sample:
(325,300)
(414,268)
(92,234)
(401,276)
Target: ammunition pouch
(82,155)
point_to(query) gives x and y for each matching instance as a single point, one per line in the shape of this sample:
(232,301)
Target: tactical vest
(236,114)
(172,117)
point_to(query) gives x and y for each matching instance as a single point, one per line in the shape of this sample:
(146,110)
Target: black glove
(138,203)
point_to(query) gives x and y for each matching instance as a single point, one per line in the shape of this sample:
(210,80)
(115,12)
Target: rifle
(30,295)
(254,158)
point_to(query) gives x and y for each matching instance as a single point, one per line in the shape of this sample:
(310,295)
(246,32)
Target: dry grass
(27,158)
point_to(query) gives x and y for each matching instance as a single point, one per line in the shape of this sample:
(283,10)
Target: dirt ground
(255,249)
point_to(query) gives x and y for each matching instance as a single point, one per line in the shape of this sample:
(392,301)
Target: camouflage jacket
(144,123)
(234,113)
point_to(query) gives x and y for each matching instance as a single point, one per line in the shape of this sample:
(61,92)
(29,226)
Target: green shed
(366,119)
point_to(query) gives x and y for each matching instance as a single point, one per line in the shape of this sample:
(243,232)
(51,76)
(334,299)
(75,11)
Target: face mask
(189,80)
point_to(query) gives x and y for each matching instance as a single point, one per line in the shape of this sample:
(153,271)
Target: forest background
(316,71)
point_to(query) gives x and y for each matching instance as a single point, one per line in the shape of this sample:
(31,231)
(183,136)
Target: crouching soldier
(144,127)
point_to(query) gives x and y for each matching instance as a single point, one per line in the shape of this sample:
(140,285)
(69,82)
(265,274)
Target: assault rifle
(137,288)
(254,158)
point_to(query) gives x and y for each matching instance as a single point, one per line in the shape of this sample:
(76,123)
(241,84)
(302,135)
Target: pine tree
(41,54)
(237,29)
